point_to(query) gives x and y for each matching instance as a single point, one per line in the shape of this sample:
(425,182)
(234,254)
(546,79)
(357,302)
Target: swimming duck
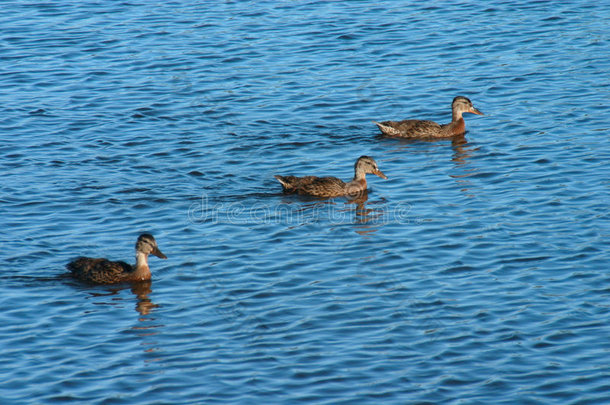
(430,129)
(332,186)
(103,271)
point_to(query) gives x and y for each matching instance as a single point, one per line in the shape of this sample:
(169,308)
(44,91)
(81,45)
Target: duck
(332,186)
(104,271)
(430,129)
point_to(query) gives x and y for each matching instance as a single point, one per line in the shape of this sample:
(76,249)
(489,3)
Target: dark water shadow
(462,151)
(141,290)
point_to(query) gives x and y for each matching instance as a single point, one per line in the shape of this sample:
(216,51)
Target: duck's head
(462,104)
(148,245)
(367,164)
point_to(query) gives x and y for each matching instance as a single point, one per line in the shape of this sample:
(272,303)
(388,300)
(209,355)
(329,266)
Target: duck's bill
(158,253)
(380,174)
(475,111)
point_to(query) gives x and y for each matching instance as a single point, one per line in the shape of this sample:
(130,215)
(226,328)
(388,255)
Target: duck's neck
(141,271)
(456,115)
(359,175)
(358,183)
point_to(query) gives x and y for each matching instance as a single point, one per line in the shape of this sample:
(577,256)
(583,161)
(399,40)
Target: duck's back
(101,271)
(411,128)
(312,185)
(323,187)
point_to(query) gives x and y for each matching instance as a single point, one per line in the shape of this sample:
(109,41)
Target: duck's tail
(287,182)
(386,129)
(281,180)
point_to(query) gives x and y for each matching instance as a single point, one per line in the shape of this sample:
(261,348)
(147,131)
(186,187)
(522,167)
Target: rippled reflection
(362,213)
(462,151)
(140,290)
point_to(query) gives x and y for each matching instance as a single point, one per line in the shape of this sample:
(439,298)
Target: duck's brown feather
(101,271)
(406,127)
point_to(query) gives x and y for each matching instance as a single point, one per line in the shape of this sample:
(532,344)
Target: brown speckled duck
(103,271)
(332,186)
(430,129)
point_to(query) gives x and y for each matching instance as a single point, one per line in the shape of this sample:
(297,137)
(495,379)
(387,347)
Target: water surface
(476,274)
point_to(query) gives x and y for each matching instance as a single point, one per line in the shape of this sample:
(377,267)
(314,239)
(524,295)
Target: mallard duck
(332,186)
(103,271)
(430,129)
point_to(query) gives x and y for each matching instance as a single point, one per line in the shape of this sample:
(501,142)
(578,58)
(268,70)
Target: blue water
(478,273)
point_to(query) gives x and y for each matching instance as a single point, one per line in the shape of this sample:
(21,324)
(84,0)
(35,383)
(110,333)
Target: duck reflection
(362,214)
(462,151)
(141,290)
(368,218)
(349,209)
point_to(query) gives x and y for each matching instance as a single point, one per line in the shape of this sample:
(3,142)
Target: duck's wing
(100,271)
